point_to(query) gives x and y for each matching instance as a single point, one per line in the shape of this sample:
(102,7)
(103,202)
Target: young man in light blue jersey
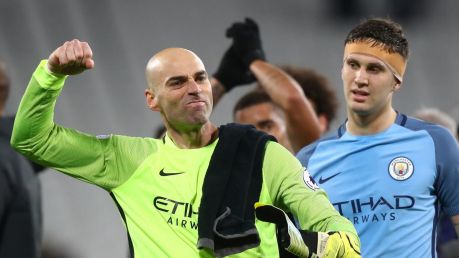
(388,173)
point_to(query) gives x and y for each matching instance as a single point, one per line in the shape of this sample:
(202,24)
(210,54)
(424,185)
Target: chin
(359,109)
(361,112)
(199,120)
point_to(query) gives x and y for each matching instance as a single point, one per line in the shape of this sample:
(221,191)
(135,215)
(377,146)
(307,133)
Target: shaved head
(166,60)
(179,88)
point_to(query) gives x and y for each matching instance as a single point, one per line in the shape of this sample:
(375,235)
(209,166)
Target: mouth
(359,95)
(196,103)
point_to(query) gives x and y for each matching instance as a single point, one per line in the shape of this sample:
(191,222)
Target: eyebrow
(200,73)
(350,59)
(380,66)
(371,63)
(264,122)
(177,78)
(184,77)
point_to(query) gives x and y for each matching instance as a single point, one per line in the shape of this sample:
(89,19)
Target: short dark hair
(383,33)
(252,98)
(316,88)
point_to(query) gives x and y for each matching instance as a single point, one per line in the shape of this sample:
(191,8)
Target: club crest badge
(309,181)
(401,168)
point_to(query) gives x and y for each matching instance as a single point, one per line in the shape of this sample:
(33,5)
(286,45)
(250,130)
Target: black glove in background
(246,41)
(231,71)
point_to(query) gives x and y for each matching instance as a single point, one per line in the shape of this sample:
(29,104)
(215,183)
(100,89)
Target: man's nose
(361,77)
(194,87)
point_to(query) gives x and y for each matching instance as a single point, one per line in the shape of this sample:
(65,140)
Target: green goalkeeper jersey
(157,185)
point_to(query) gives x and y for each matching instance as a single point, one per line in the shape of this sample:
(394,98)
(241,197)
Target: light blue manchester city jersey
(391,184)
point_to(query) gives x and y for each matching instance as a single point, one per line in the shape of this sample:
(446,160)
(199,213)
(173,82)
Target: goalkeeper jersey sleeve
(87,157)
(292,189)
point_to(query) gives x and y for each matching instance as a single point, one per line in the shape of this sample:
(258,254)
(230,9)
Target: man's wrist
(47,79)
(223,81)
(253,56)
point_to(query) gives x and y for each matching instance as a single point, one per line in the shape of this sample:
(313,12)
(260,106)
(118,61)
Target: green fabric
(160,210)
(48,79)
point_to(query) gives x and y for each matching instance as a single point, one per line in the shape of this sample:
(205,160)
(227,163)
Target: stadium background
(123,36)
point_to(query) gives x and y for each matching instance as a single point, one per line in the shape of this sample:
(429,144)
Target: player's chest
(376,168)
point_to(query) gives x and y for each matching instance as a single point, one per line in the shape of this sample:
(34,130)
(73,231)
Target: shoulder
(439,134)
(130,146)
(274,148)
(8,156)
(306,152)
(12,164)
(133,140)
(277,155)
(279,162)
(249,132)
(445,145)
(6,126)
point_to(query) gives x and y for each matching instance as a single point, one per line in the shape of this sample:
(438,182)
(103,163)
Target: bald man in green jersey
(157,183)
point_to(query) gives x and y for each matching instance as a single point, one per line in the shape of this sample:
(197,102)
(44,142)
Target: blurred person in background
(20,193)
(259,109)
(300,103)
(318,91)
(447,243)
(436,116)
(55,249)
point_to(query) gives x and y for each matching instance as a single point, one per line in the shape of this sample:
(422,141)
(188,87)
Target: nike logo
(162,173)
(323,180)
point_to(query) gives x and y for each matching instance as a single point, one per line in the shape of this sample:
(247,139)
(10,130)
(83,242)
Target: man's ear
(397,86)
(151,100)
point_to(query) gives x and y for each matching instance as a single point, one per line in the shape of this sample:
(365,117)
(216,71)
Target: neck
(193,138)
(370,124)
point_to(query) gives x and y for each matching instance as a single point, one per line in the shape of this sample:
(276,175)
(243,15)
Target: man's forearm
(37,137)
(303,126)
(279,86)
(35,113)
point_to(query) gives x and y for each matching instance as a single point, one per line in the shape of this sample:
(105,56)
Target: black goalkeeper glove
(231,72)
(246,41)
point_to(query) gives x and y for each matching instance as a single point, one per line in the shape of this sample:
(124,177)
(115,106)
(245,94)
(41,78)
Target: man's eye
(201,78)
(267,126)
(374,69)
(174,83)
(352,65)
